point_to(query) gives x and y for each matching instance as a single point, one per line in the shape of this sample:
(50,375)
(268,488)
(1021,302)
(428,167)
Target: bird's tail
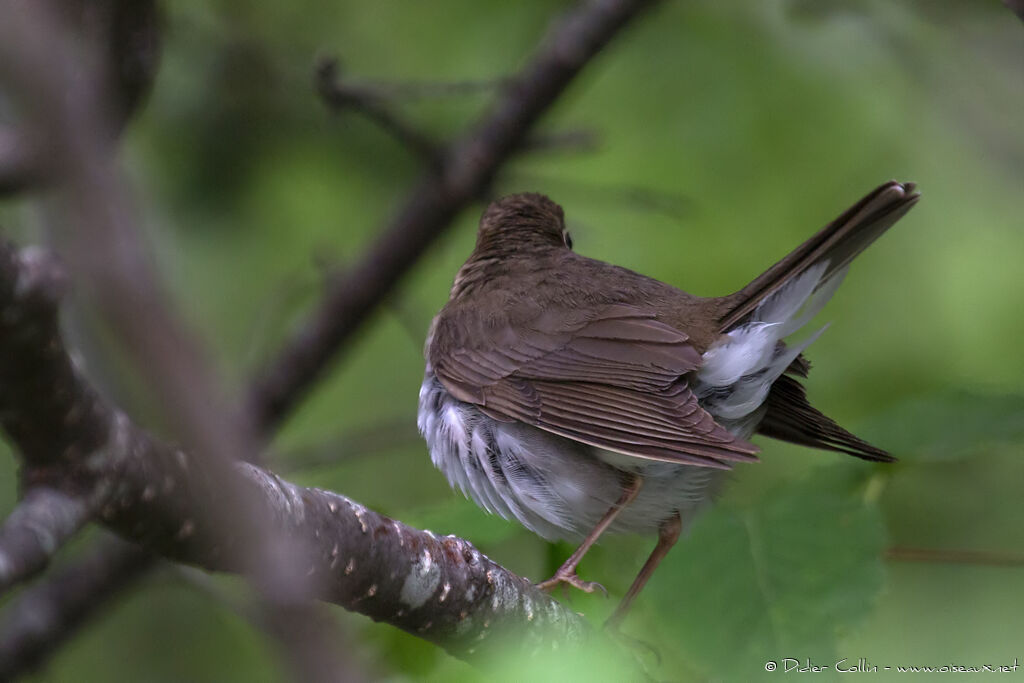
(835,245)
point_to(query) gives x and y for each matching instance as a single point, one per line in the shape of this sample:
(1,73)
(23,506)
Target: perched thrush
(578,397)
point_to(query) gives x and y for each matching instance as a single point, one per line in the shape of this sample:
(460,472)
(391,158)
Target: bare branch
(44,616)
(374,102)
(440,589)
(97,228)
(126,37)
(417,90)
(41,523)
(341,96)
(464,171)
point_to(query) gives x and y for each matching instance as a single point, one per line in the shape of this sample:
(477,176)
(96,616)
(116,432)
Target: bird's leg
(567,572)
(668,534)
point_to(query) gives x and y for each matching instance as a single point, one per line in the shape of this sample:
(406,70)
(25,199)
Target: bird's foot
(568,577)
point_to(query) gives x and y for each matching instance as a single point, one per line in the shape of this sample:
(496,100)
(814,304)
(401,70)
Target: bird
(578,397)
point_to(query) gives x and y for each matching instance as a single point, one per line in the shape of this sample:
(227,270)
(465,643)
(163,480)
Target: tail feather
(837,244)
(790,417)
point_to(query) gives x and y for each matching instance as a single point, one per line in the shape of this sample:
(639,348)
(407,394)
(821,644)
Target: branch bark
(46,615)
(95,223)
(141,466)
(438,588)
(41,523)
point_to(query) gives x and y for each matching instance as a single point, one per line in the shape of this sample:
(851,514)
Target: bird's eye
(567,238)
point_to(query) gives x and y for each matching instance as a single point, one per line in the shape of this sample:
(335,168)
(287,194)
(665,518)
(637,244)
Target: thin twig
(375,102)
(341,96)
(414,90)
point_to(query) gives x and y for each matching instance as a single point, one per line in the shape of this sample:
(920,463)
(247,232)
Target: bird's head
(522,223)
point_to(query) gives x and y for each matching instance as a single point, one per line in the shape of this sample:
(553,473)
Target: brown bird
(579,397)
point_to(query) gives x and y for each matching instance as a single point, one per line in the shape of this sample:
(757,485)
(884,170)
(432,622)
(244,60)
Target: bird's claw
(571,578)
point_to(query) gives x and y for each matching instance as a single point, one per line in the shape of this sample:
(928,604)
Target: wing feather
(615,380)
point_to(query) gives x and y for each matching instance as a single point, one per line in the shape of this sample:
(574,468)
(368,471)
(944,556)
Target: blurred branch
(44,616)
(440,589)
(125,36)
(128,32)
(341,96)
(96,225)
(39,526)
(414,90)
(1016,6)
(463,172)
(374,101)
(954,556)
(20,163)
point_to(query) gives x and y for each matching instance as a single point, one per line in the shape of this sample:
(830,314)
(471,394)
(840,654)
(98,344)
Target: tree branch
(466,169)
(340,96)
(31,535)
(125,35)
(463,172)
(96,226)
(44,616)
(372,101)
(440,589)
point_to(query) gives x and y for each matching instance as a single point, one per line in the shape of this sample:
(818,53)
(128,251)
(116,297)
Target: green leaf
(780,578)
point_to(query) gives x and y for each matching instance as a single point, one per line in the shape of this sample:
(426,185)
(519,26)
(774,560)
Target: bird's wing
(614,380)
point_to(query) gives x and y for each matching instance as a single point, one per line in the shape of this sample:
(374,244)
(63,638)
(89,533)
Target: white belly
(556,487)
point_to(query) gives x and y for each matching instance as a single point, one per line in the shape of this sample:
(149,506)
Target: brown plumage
(537,333)
(574,395)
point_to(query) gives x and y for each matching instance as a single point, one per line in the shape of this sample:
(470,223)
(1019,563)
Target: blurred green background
(727,133)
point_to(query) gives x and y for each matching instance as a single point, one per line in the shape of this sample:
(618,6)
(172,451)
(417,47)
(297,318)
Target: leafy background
(728,133)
